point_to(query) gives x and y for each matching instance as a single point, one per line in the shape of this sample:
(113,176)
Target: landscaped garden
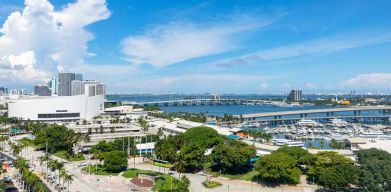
(211,184)
(75,157)
(163,182)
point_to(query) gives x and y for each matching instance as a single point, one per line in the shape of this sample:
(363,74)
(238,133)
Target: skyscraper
(79,77)
(65,83)
(53,86)
(42,90)
(295,95)
(3,91)
(78,87)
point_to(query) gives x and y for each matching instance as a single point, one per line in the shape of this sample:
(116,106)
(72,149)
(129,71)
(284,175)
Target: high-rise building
(65,83)
(3,91)
(42,90)
(295,95)
(79,77)
(53,86)
(78,87)
(88,87)
(18,92)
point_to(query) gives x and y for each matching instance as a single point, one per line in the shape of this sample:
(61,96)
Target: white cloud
(176,42)
(369,81)
(193,83)
(39,40)
(317,46)
(21,67)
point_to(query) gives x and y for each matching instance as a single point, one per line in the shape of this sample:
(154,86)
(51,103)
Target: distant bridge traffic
(189,102)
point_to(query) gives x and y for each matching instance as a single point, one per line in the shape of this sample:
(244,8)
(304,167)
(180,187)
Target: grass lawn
(30,143)
(76,157)
(97,170)
(132,173)
(164,181)
(249,176)
(211,184)
(166,165)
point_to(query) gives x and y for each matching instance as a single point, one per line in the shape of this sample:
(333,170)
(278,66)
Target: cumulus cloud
(370,81)
(39,40)
(317,46)
(176,42)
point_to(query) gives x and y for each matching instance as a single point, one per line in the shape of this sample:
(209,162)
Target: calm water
(214,109)
(232,109)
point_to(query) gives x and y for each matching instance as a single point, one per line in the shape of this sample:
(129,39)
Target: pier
(372,114)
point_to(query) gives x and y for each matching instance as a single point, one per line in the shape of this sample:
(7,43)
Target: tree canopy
(278,168)
(204,136)
(115,161)
(232,156)
(332,171)
(375,170)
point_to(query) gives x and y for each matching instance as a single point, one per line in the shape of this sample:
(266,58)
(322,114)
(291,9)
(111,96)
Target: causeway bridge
(374,114)
(193,102)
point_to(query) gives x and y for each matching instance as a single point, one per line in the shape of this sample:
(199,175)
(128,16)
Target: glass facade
(57,115)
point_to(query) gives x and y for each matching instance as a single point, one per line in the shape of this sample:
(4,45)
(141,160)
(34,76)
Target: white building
(56,108)
(89,87)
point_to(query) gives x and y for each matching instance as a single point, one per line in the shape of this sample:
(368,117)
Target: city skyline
(197,47)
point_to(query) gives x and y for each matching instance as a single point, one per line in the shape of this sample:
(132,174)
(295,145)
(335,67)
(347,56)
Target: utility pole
(128,147)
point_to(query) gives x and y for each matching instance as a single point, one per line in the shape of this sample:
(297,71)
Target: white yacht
(308,123)
(338,123)
(373,134)
(289,143)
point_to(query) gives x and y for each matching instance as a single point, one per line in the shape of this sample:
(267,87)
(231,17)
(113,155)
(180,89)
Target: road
(92,183)
(228,185)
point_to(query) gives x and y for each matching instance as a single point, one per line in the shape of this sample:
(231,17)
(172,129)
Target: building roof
(119,108)
(357,140)
(378,144)
(145,146)
(234,137)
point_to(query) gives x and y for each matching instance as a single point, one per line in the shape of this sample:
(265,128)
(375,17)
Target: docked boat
(338,123)
(308,123)
(287,142)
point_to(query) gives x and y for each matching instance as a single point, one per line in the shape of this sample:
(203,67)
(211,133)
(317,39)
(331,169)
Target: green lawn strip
(211,184)
(165,165)
(76,157)
(132,173)
(28,142)
(97,170)
(249,176)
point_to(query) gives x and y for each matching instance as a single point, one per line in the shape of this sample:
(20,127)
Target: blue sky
(228,46)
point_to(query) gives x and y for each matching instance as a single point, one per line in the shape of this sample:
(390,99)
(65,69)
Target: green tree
(278,168)
(204,136)
(232,156)
(329,167)
(166,149)
(193,157)
(115,161)
(374,170)
(300,155)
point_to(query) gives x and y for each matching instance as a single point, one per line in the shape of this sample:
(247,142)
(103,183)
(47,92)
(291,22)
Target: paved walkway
(228,184)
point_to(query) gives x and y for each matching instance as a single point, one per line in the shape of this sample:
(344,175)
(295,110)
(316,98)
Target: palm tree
(56,165)
(45,158)
(68,179)
(39,187)
(63,174)
(16,149)
(160,133)
(180,167)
